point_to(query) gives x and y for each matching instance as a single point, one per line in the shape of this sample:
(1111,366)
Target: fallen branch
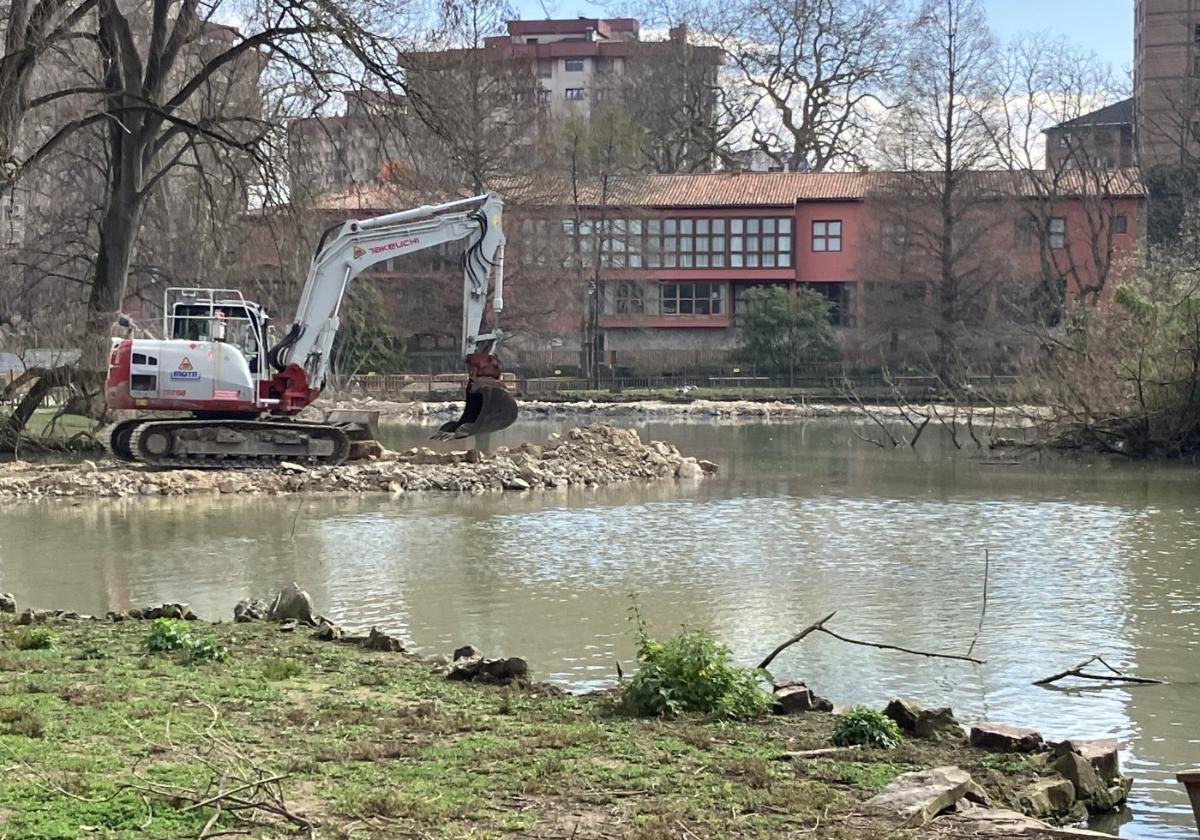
(803,754)
(819,627)
(762,666)
(1115,676)
(883,646)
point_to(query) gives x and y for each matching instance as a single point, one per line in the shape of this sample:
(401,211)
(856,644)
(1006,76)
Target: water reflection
(1086,557)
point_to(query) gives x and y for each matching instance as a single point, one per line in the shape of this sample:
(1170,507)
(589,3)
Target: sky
(1103,26)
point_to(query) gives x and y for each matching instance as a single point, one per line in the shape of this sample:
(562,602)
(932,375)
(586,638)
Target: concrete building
(1102,139)
(1166,78)
(581,61)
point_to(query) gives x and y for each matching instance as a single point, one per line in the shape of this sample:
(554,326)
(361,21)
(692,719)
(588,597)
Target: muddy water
(1086,557)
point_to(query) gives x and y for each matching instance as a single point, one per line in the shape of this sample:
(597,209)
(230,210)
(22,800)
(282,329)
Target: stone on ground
(905,712)
(1048,797)
(382,641)
(920,796)
(292,602)
(1090,788)
(248,610)
(1000,738)
(797,699)
(938,725)
(1104,754)
(466,652)
(8,604)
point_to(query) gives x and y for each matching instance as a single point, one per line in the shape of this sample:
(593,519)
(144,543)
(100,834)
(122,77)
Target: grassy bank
(100,738)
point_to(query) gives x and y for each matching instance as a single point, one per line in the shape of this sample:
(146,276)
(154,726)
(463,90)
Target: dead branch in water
(1115,676)
(987,567)
(819,627)
(762,666)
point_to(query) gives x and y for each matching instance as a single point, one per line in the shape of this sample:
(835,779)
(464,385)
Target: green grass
(381,745)
(36,638)
(43,424)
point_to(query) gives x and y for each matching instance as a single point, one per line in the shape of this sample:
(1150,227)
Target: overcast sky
(1104,26)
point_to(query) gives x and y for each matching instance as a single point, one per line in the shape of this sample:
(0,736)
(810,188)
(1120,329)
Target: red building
(672,256)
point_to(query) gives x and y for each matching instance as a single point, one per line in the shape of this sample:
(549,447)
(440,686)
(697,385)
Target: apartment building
(1102,139)
(1166,78)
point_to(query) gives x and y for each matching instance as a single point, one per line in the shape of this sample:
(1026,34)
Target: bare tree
(151,85)
(934,208)
(813,74)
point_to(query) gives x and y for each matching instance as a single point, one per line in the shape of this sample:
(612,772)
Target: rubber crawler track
(236,461)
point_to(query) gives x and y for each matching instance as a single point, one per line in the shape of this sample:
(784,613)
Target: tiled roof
(745,189)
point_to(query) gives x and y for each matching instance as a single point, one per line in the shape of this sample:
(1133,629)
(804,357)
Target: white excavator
(239,397)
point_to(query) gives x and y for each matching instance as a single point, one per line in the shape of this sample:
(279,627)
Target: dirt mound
(587,456)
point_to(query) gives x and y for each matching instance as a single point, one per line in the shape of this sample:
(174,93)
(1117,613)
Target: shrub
(36,638)
(167,634)
(282,669)
(204,649)
(867,727)
(692,673)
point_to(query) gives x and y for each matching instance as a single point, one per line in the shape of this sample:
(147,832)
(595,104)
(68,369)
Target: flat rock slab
(1104,754)
(920,796)
(998,822)
(1001,738)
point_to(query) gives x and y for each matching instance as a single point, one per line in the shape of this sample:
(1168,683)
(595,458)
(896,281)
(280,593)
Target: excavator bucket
(489,408)
(361,427)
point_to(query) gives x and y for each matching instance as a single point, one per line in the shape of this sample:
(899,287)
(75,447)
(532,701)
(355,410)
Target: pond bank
(583,457)
(290,733)
(700,409)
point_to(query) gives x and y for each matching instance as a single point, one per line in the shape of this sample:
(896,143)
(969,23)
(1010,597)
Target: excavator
(235,392)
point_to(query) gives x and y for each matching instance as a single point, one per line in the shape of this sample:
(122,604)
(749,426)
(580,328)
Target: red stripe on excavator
(116,384)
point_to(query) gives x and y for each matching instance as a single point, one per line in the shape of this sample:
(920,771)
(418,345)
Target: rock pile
(471,666)
(584,457)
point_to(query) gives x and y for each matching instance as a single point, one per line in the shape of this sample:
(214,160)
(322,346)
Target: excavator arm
(301,359)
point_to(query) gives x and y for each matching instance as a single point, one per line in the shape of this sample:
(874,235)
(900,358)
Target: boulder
(918,797)
(1048,797)
(8,604)
(477,669)
(248,610)
(1089,787)
(938,725)
(382,641)
(27,617)
(292,602)
(116,615)
(797,699)
(327,632)
(1103,754)
(905,712)
(1000,738)
(466,652)
(289,626)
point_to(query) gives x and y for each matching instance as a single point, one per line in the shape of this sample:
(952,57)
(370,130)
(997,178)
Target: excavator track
(230,443)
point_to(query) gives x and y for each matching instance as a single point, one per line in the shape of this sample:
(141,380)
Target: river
(1086,557)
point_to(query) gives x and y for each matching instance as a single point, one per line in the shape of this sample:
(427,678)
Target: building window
(574,93)
(693,299)
(1196,33)
(531,40)
(1025,230)
(545,68)
(827,235)
(1058,232)
(838,295)
(1120,224)
(543,96)
(573,65)
(629,298)
(1196,65)
(760,242)
(894,236)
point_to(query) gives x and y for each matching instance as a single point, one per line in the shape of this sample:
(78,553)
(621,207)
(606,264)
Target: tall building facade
(1166,78)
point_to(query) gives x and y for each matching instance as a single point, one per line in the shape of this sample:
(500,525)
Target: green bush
(866,727)
(167,634)
(692,673)
(204,649)
(36,638)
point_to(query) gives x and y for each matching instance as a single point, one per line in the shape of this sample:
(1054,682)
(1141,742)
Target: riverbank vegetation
(101,736)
